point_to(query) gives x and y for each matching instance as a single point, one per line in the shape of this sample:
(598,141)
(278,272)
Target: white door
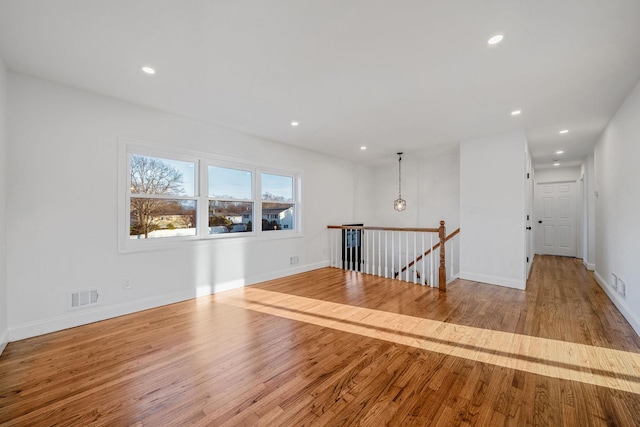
(555,219)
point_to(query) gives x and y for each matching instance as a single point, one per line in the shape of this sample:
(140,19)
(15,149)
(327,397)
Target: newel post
(442,275)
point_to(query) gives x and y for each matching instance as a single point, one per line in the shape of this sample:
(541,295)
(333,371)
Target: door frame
(574,194)
(529,195)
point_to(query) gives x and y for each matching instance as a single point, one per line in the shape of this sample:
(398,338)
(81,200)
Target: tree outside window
(172,196)
(161,198)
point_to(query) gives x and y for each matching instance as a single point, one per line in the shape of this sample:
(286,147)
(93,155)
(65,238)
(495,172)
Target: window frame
(128,147)
(296,193)
(205,180)
(128,195)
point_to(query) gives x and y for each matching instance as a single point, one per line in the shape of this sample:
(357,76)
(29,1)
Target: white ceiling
(392,75)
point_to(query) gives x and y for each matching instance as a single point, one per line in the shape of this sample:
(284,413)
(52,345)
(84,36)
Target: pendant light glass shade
(399,204)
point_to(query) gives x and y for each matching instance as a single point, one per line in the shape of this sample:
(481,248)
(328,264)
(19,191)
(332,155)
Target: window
(278,207)
(161,195)
(230,200)
(171,196)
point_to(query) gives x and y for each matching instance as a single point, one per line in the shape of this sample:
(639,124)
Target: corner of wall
(507,282)
(4,305)
(616,198)
(4,340)
(492,210)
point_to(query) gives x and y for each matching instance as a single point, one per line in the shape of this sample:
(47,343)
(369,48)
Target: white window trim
(128,146)
(297,196)
(205,179)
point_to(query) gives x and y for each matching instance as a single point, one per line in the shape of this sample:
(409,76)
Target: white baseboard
(493,280)
(96,314)
(4,340)
(589,265)
(619,303)
(287,272)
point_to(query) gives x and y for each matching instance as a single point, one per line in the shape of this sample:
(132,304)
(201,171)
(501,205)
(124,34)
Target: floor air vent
(79,299)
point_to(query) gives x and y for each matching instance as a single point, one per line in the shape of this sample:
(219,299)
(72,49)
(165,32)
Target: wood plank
(330,347)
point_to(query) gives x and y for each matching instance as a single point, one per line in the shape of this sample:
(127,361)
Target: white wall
(62,210)
(365,188)
(617,179)
(430,185)
(492,209)
(4,332)
(590,234)
(587,213)
(558,174)
(439,190)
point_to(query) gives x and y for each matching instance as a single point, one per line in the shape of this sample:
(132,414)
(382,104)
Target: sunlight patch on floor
(559,359)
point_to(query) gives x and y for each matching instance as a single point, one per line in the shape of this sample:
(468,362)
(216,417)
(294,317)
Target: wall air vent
(78,299)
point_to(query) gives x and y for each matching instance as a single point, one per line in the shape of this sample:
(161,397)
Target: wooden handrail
(360,227)
(436,246)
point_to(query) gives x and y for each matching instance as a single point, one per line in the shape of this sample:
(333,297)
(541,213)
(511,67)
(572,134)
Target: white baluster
(399,235)
(386,254)
(361,250)
(358,256)
(379,249)
(406,244)
(431,261)
(331,248)
(367,261)
(393,251)
(399,276)
(422,276)
(415,257)
(450,268)
(346,254)
(337,247)
(436,267)
(360,244)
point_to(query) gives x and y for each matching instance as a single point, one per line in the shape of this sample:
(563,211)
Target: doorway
(556,219)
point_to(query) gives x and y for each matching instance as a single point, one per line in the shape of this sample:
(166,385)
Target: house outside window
(171,196)
(230,200)
(278,202)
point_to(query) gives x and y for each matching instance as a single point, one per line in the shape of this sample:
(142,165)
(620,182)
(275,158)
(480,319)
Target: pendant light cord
(400,175)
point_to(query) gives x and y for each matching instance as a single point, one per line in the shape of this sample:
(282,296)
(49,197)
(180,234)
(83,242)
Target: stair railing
(426,254)
(382,251)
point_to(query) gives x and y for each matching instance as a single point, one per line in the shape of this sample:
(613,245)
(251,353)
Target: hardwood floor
(330,347)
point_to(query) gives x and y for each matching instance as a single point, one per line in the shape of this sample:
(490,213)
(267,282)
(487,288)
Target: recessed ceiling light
(559,152)
(363,148)
(495,39)
(148,70)
(516,112)
(556,164)
(564,131)
(294,124)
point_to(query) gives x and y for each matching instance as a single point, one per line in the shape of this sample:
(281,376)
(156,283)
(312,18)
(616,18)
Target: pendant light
(399,204)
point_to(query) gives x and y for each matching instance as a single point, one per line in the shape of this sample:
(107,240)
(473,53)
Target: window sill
(148,245)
